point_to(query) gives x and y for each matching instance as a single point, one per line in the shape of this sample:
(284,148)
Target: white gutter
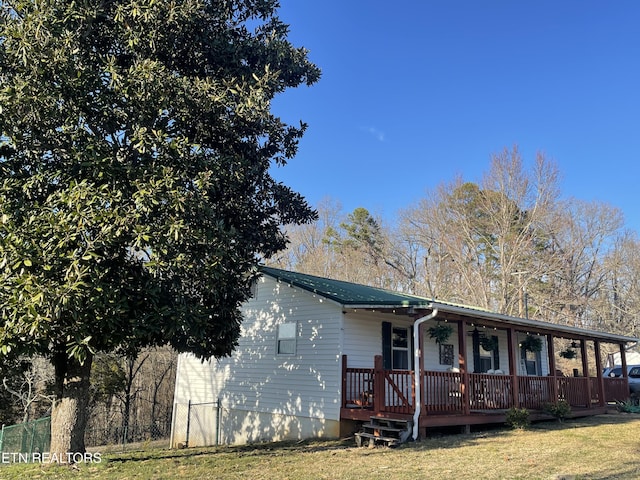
(416,368)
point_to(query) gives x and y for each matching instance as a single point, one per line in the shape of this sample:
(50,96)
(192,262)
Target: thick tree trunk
(70,414)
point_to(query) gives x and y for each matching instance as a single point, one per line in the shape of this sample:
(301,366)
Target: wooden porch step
(382,428)
(389,431)
(390,422)
(389,441)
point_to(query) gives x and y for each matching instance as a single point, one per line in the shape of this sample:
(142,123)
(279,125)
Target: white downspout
(416,368)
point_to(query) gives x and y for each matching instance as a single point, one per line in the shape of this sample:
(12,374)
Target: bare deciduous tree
(29,387)
(583,235)
(509,243)
(478,240)
(308,249)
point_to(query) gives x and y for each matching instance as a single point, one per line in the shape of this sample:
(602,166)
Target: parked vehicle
(634,380)
(633,374)
(616,371)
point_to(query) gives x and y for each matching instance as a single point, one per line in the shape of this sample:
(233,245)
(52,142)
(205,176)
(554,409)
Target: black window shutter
(475,337)
(386,345)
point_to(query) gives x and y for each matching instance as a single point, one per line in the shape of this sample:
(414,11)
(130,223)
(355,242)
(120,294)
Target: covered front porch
(457,398)
(466,396)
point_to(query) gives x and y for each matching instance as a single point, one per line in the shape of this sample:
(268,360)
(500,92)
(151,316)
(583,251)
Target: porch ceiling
(357,296)
(498,319)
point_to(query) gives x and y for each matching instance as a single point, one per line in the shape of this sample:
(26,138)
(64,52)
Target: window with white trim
(486,359)
(287,339)
(531,361)
(400,348)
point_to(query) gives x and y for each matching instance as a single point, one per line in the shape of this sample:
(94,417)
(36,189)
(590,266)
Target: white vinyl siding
(363,336)
(256,378)
(362,339)
(432,351)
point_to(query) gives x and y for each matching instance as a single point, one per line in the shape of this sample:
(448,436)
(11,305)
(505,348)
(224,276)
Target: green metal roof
(346,293)
(361,296)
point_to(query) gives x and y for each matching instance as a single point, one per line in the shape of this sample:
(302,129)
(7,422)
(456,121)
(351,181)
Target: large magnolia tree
(136,141)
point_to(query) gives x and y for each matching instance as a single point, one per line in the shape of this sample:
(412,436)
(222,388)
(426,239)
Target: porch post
(512,345)
(623,363)
(623,360)
(344,381)
(462,362)
(378,384)
(552,366)
(420,347)
(585,369)
(601,399)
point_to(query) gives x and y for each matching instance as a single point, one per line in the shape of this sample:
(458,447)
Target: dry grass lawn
(603,447)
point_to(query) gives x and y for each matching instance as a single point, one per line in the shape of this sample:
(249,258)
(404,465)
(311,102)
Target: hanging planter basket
(532,343)
(440,333)
(569,354)
(489,343)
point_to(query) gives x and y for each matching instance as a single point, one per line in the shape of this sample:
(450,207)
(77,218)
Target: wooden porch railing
(573,390)
(357,388)
(392,391)
(490,392)
(397,392)
(616,389)
(534,392)
(442,392)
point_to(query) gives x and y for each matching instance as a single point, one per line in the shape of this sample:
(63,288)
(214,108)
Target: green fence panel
(29,437)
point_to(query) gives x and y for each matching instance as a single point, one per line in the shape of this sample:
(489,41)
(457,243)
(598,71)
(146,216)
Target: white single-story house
(317,357)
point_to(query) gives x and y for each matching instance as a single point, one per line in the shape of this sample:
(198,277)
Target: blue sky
(414,93)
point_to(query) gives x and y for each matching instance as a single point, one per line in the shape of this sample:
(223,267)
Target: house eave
(410,308)
(537,324)
(472,313)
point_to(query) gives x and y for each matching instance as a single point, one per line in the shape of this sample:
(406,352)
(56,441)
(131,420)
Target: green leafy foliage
(628,406)
(561,409)
(440,332)
(136,200)
(569,354)
(532,343)
(108,378)
(518,418)
(361,233)
(135,194)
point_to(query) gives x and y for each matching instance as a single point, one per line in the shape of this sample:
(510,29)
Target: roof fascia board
(387,306)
